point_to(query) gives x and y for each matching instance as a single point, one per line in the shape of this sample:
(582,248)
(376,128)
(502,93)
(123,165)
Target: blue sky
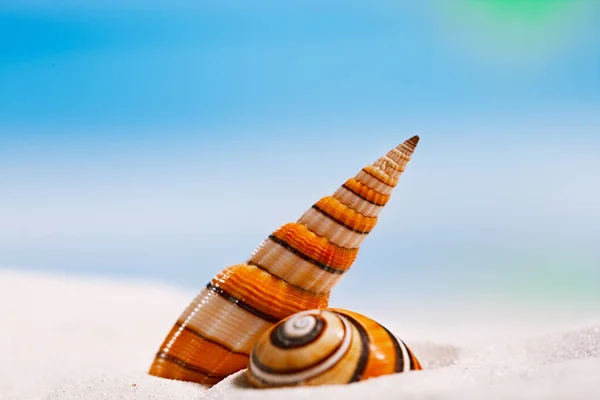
(183,66)
(165,140)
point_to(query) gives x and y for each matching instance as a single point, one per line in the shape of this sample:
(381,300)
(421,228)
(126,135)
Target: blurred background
(162,141)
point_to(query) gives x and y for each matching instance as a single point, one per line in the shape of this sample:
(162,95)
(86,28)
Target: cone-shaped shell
(331,346)
(293,270)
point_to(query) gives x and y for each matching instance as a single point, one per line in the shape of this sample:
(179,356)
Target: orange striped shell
(331,346)
(293,270)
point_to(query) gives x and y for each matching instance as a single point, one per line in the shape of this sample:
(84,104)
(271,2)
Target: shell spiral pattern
(329,346)
(292,270)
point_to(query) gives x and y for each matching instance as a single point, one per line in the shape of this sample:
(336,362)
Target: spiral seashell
(292,270)
(330,346)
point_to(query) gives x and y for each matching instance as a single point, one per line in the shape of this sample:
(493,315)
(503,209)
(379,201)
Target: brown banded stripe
(399,156)
(263,268)
(276,351)
(294,267)
(190,355)
(299,239)
(265,295)
(381,176)
(241,303)
(411,143)
(362,362)
(345,216)
(366,193)
(399,364)
(171,367)
(383,347)
(305,257)
(414,363)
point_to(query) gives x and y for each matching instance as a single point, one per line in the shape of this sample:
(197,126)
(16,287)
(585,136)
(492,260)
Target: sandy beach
(84,338)
(177,176)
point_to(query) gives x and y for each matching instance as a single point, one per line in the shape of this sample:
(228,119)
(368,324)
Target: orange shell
(327,346)
(294,269)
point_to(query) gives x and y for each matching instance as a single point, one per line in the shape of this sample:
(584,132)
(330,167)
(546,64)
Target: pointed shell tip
(412,142)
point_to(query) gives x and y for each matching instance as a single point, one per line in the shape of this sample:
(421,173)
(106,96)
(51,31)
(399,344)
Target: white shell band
(277,379)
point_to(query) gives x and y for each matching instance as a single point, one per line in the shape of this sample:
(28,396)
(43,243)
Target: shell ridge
(344,215)
(212,304)
(323,225)
(188,366)
(354,186)
(286,263)
(252,286)
(317,247)
(370,172)
(323,236)
(300,254)
(398,351)
(227,296)
(336,220)
(257,265)
(226,358)
(362,196)
(411,357)
(341,200)
(207,338)
(374,184)
(398,156)
(389,167)
(364,351)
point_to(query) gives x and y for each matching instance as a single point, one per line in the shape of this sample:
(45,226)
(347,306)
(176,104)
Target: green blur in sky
(532,11)
(520,32)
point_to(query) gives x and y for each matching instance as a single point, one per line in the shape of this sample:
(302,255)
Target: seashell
(292,270)
(329,346)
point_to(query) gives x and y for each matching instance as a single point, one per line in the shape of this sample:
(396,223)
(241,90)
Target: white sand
(66,338)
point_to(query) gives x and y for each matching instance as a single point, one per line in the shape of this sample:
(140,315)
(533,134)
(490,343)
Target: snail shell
(330,346)
(292,270)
